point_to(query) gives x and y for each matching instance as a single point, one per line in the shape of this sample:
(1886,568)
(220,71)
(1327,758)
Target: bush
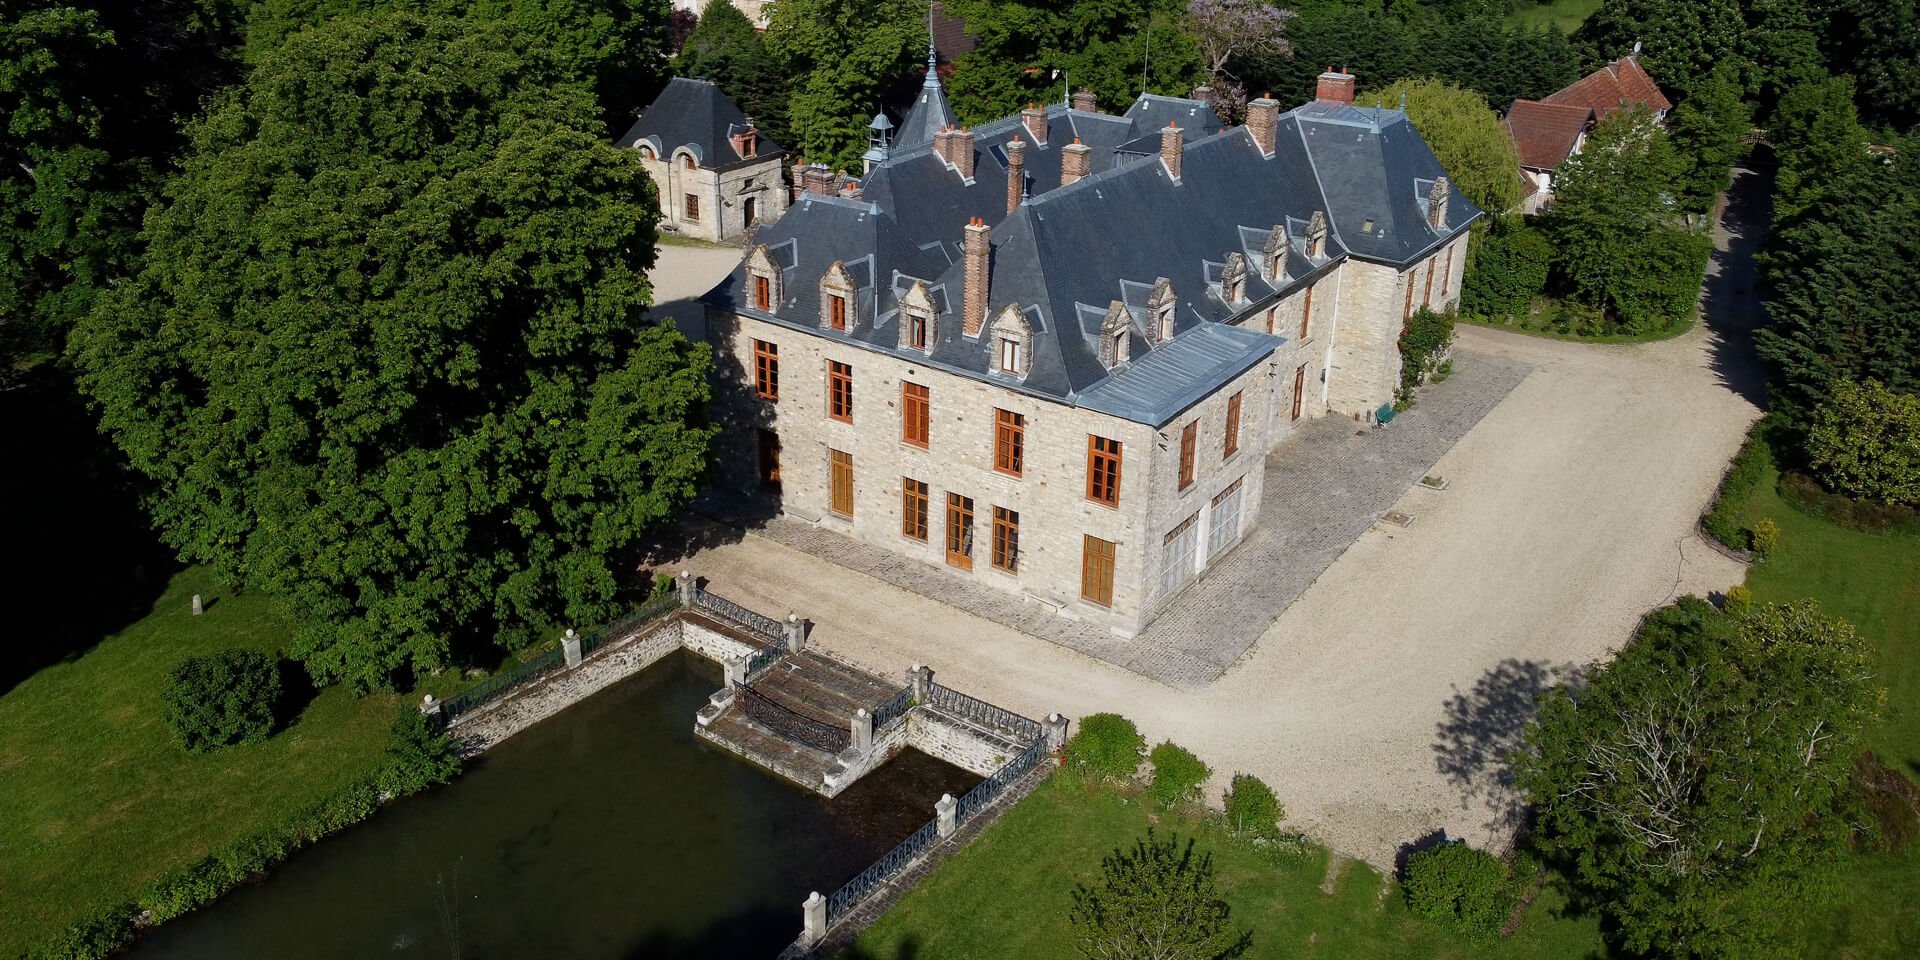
(1765,537)
(1108,745)
(417,755)
(1748,468)
(91,937)
(1177,774)
(1461,888)
(1509,271)
(1156,900)
(221,699)
(1422,344)
(1739,600)
(1892,801)
(1864,442)
(1252,809)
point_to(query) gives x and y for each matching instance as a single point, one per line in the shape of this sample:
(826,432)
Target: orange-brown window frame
(1426,296)
(1006,540)
(841,499)
(915,412)
(1096,570)
(916,330)
(1233,427)
(1299,388)
(913,509)
(959,531)
(1103,470)
(1446,276)
(766,370)
(1189,439)
(840,391)
(1009,443)
(1406,313)
(1306,315)
(762,293)
(837,311)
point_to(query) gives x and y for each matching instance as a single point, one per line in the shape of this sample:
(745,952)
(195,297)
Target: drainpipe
(1326,370)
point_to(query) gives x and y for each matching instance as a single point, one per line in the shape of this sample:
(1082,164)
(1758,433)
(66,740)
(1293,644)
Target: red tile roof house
(1546,132)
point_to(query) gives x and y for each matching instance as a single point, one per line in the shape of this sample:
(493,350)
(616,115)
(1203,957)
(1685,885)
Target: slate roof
(930,112)
(696,115)
(1544,133)
(1618,85)
(1066,253)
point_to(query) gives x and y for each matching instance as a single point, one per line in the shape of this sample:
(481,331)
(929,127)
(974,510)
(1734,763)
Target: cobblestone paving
(1324,488)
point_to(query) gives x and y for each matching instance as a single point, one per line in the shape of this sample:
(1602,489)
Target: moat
(608,831)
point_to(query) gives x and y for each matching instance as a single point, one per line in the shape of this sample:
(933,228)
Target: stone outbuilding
(716,174)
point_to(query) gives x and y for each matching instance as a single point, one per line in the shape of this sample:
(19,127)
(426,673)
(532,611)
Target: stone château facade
(1052,352)
(718,176)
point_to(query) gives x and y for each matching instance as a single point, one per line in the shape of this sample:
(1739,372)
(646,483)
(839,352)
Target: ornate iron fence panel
(467,700)
(893,709)
(619,629)
(984,713)
(753,622)
(758,663)
(791,723)
(890,863)
(987,790)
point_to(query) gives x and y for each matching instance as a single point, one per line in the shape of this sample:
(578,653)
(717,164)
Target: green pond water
(608,831)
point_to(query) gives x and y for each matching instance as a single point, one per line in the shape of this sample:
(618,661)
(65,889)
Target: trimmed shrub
(1748,468)
(1460,888)
(221,699)
(1739,600)
(1766,536)
(1177,774)
(1252,809)
(1870,516)
(418,756)
(1864,442)
(1108,745)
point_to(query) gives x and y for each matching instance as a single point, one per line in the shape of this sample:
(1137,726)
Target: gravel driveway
(1379,704)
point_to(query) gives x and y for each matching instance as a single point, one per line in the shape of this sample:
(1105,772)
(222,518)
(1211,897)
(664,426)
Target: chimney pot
(1334,87)
(1076,162)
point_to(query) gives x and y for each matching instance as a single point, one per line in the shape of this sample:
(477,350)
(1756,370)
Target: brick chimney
(745,140)
(1084,101)
(940,144)
(1335,86)
(1076,161)
(1263,121)
(976,252)
(797,183)
(960,151)
(1035,120)
(1016,172)
(1172,144)
(818,179)
(1437,203)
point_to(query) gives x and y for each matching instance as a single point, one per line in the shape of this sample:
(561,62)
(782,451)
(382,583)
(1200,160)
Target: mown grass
(1009,892)
(96,800)
(1568,15)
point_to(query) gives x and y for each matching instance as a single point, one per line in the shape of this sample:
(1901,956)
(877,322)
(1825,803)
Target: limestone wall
(937,735)
(714,646)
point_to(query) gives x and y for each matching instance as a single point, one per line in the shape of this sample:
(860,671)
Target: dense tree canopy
(725,48)
(1029,50)
(1694,783)
(1466,137)
(1706,129)
(388,359)
(1681,41)
(840,55)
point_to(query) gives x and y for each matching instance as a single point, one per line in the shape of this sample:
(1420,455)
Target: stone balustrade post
(922,680)
(430,707)
(947,811)
(814,914)
(796,632)
(862,731)
(570,645)
(1056,732)
(736,672)
(685,582)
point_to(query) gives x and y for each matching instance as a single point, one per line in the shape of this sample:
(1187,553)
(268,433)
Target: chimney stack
(1076,161)
(745,140)
(1172,142)
(1084,101)
(1437,203)
(973,301)
(960,152)
(1035,120)
(1263,121)
(1335,86)
(1016,172)
(818,179)
(940,144)
(797,184)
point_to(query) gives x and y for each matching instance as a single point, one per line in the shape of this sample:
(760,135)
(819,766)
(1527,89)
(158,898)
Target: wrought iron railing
(986,791)
(981,712)
(893,709)
(890,863)
(620,629)
(753,622)
(467,700)
(758,663)
(792,724)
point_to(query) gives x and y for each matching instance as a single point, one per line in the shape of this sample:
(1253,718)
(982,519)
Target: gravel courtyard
(1379,704)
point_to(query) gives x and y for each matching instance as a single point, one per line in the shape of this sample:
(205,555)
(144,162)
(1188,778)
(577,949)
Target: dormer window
(1117,348)
(1233,278)
(688,162)
(1012,343)
(1317,235)
(836,298)
(1012,357)
(916,319)
(916,331)
(1160,311)
(1116,335)
(763,280)
(1164,322)
(763,293)
(836,311)
(646,152)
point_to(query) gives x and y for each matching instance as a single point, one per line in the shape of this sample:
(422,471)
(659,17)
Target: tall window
(1009,442)
(1103,470)
(913,509)
(693,207)
(1426,297)
(837,311)
(1011,359)
(1271,313)
(1306,315)
(1299,389)
(960,531)
(1188,439)
(766,370)
(1406,313)
(842,502)
(1233,426)
(916,330)
(914,405)
(1096,571)
(1006,540)
(1446,276)
(686,160)
(840,391)
(1225,525)
(763,293)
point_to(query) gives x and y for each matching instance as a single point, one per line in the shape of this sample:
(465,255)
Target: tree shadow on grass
(1484,726)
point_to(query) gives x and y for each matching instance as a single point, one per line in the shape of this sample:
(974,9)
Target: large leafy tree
(841,55)
(388,357)
(1706,128)
(1029,50)
(725,48)
(1682,41)
(1465,135)
(1879,43)
(1157,901)
(1695,784)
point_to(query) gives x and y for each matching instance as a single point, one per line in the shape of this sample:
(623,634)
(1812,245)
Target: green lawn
(1568,15)
(1007,894)
(95,798)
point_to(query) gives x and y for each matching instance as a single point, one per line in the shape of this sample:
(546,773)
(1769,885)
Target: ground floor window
(913,509)
(769,459)
(1006,539)
(693,207)
(842,483)
(1225,523)
(960,531)
(1096,571)
(1179,555)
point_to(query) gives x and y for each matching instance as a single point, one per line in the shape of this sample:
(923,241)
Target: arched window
(646,152)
